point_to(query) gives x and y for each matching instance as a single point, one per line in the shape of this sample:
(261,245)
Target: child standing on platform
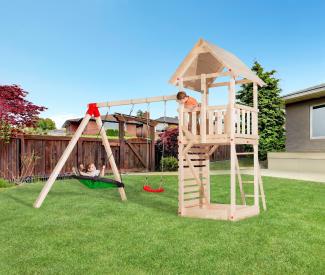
(189,103)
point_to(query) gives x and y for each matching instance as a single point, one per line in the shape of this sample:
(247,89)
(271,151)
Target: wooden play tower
(203,129)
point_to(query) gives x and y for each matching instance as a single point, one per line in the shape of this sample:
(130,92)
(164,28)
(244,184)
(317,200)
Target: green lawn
(83,231)
(225,164)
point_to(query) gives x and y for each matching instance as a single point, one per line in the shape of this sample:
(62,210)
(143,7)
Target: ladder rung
(245,153)
(251,196)
(246,168)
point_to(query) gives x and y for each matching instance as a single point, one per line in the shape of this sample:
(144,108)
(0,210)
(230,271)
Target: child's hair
(88,165)
(180,95)
(82,167)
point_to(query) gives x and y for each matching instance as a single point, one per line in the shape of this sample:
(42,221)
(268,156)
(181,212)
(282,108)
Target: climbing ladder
(241,181)
(195,177)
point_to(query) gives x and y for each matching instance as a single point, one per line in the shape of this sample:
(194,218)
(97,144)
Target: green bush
(4,183)
(112,132)
(169,164)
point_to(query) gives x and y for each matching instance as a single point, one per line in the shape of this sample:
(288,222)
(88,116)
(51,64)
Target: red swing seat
(148,188)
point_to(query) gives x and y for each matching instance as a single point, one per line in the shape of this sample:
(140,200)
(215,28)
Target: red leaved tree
(16,112)
(169,139)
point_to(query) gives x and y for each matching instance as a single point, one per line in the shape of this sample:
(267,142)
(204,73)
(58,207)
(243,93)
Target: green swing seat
(98,182)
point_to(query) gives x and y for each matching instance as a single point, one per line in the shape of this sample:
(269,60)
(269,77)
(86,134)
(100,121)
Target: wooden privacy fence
(130,154)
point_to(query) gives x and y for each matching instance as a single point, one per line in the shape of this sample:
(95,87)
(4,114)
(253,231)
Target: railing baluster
(219,122)
(194,123)
(238,121)
(243,125)
(248,122)
(211,121)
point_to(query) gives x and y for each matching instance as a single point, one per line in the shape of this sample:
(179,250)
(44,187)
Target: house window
(317,122)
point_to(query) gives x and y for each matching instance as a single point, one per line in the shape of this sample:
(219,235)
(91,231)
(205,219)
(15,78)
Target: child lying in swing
(90,170)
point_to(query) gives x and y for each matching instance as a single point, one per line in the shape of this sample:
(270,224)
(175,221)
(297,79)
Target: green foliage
(46,124)
(5,131)
(271,111)
(4,183)
(140,113)
(112,132)
(169,164)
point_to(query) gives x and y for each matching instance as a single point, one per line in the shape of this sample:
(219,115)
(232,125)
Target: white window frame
(311,121)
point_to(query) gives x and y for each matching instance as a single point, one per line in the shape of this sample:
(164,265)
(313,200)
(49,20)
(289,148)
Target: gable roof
(305,94)
(206,58)
(167,119)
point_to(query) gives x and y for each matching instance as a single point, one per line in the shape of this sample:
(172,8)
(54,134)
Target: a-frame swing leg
(110,156)
(47,187)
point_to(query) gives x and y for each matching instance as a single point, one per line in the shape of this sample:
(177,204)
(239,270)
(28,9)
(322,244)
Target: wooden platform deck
(221,212)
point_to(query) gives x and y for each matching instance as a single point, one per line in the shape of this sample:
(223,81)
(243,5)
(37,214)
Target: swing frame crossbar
(93,111)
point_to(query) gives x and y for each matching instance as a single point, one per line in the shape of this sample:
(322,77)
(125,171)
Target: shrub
(169,139)
(4,183)
(169,164)
(112,132)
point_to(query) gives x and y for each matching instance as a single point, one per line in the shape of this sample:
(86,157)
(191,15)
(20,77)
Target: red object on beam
(148,188)
(93,110)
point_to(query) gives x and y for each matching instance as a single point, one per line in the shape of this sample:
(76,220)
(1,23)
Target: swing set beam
(136,101)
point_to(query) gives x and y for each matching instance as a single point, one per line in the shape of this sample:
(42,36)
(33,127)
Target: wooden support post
(231,117)
(255,114)
(121,133)
(180,158)
(48,185)
(256,176)
(110,156)
(204,98)
(255,147)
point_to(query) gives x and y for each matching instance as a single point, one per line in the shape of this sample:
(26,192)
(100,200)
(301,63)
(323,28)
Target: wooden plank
(191,196)
(219,122)
(203,114)
(261,188)
(238,121)
(243,125)
(136,101)
(246,108)
(144,163)
(212,75)
(217,108)
(191,203)
(238,82)
(188,189)
(211,122)
(248,114)
(255,114)
(194,123)
(256,177)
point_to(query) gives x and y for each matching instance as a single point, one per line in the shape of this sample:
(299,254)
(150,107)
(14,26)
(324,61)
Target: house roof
(305,94)
(206,58)
(116,117)
(169,120)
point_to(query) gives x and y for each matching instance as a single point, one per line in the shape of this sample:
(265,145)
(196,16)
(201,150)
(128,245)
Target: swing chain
(163,145)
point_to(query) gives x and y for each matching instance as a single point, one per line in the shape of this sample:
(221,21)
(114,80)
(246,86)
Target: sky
(67,54)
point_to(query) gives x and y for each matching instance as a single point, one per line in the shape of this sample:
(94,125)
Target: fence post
(121,134)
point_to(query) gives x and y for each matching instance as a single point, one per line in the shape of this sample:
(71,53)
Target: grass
(225,164)
(83,231)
